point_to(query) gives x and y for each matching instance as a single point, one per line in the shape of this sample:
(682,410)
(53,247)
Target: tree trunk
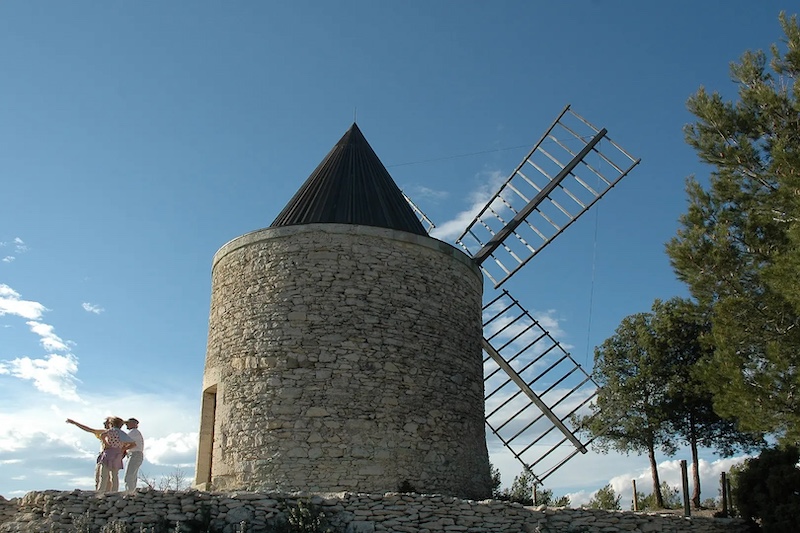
(695,463)
(651,454)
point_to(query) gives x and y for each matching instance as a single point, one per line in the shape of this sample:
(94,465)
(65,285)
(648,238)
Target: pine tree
(630,414)
(605,498)
(681,334)
(738,247)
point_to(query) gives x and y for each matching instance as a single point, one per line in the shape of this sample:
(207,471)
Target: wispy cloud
(18,244)
(8,259)
(434,195)
(452,229)
(92,308)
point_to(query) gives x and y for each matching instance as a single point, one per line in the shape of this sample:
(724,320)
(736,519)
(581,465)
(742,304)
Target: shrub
(768,490)
(305,517)
(671,496)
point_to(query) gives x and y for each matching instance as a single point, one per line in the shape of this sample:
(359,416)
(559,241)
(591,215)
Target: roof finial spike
(355,115)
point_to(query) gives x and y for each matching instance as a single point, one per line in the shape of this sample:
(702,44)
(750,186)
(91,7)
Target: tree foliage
(738,247)
(522,491)
(630,413)
(605,498)
(562,501)
(496,481)
(652,395)
(682,337)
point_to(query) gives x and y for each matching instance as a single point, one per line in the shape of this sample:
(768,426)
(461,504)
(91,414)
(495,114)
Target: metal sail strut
(520,217)
(532,395)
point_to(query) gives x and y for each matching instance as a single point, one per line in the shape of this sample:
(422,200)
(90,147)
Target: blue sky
(136,138)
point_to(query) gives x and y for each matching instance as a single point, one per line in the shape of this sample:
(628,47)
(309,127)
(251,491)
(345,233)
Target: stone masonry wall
(188,511)
(344,357)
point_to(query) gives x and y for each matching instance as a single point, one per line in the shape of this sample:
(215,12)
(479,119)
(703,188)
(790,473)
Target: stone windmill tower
(347,350)
(344,347)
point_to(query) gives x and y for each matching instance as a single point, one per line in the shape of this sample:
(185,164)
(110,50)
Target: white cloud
(11,304)
(670,472)
(176,449)
(92,308)
(48,338)
(583,475)
(452,229)
(55,374)
(16,436)
(8,258)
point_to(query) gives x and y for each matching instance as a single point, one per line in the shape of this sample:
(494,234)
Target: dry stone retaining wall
(55,512)
(343,358)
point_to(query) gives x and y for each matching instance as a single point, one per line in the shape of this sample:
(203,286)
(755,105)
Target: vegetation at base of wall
(709,503)
(114,526)
(175,480)
(522,491)
(82,523)
(305,517)
(670,496)
(300,517)
(405,487)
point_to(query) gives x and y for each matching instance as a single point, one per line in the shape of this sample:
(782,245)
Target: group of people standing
(116,444)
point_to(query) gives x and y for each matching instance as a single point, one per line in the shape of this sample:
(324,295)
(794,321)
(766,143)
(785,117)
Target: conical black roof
(350,186)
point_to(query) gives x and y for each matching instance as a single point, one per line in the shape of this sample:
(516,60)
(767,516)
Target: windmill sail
(571,167)
(532,388)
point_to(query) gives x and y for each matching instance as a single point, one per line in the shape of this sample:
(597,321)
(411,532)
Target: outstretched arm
(85,428)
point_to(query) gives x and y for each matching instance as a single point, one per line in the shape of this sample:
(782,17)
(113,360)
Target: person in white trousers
(135,454)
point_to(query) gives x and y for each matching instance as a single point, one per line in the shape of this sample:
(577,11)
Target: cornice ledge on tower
(346,229)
